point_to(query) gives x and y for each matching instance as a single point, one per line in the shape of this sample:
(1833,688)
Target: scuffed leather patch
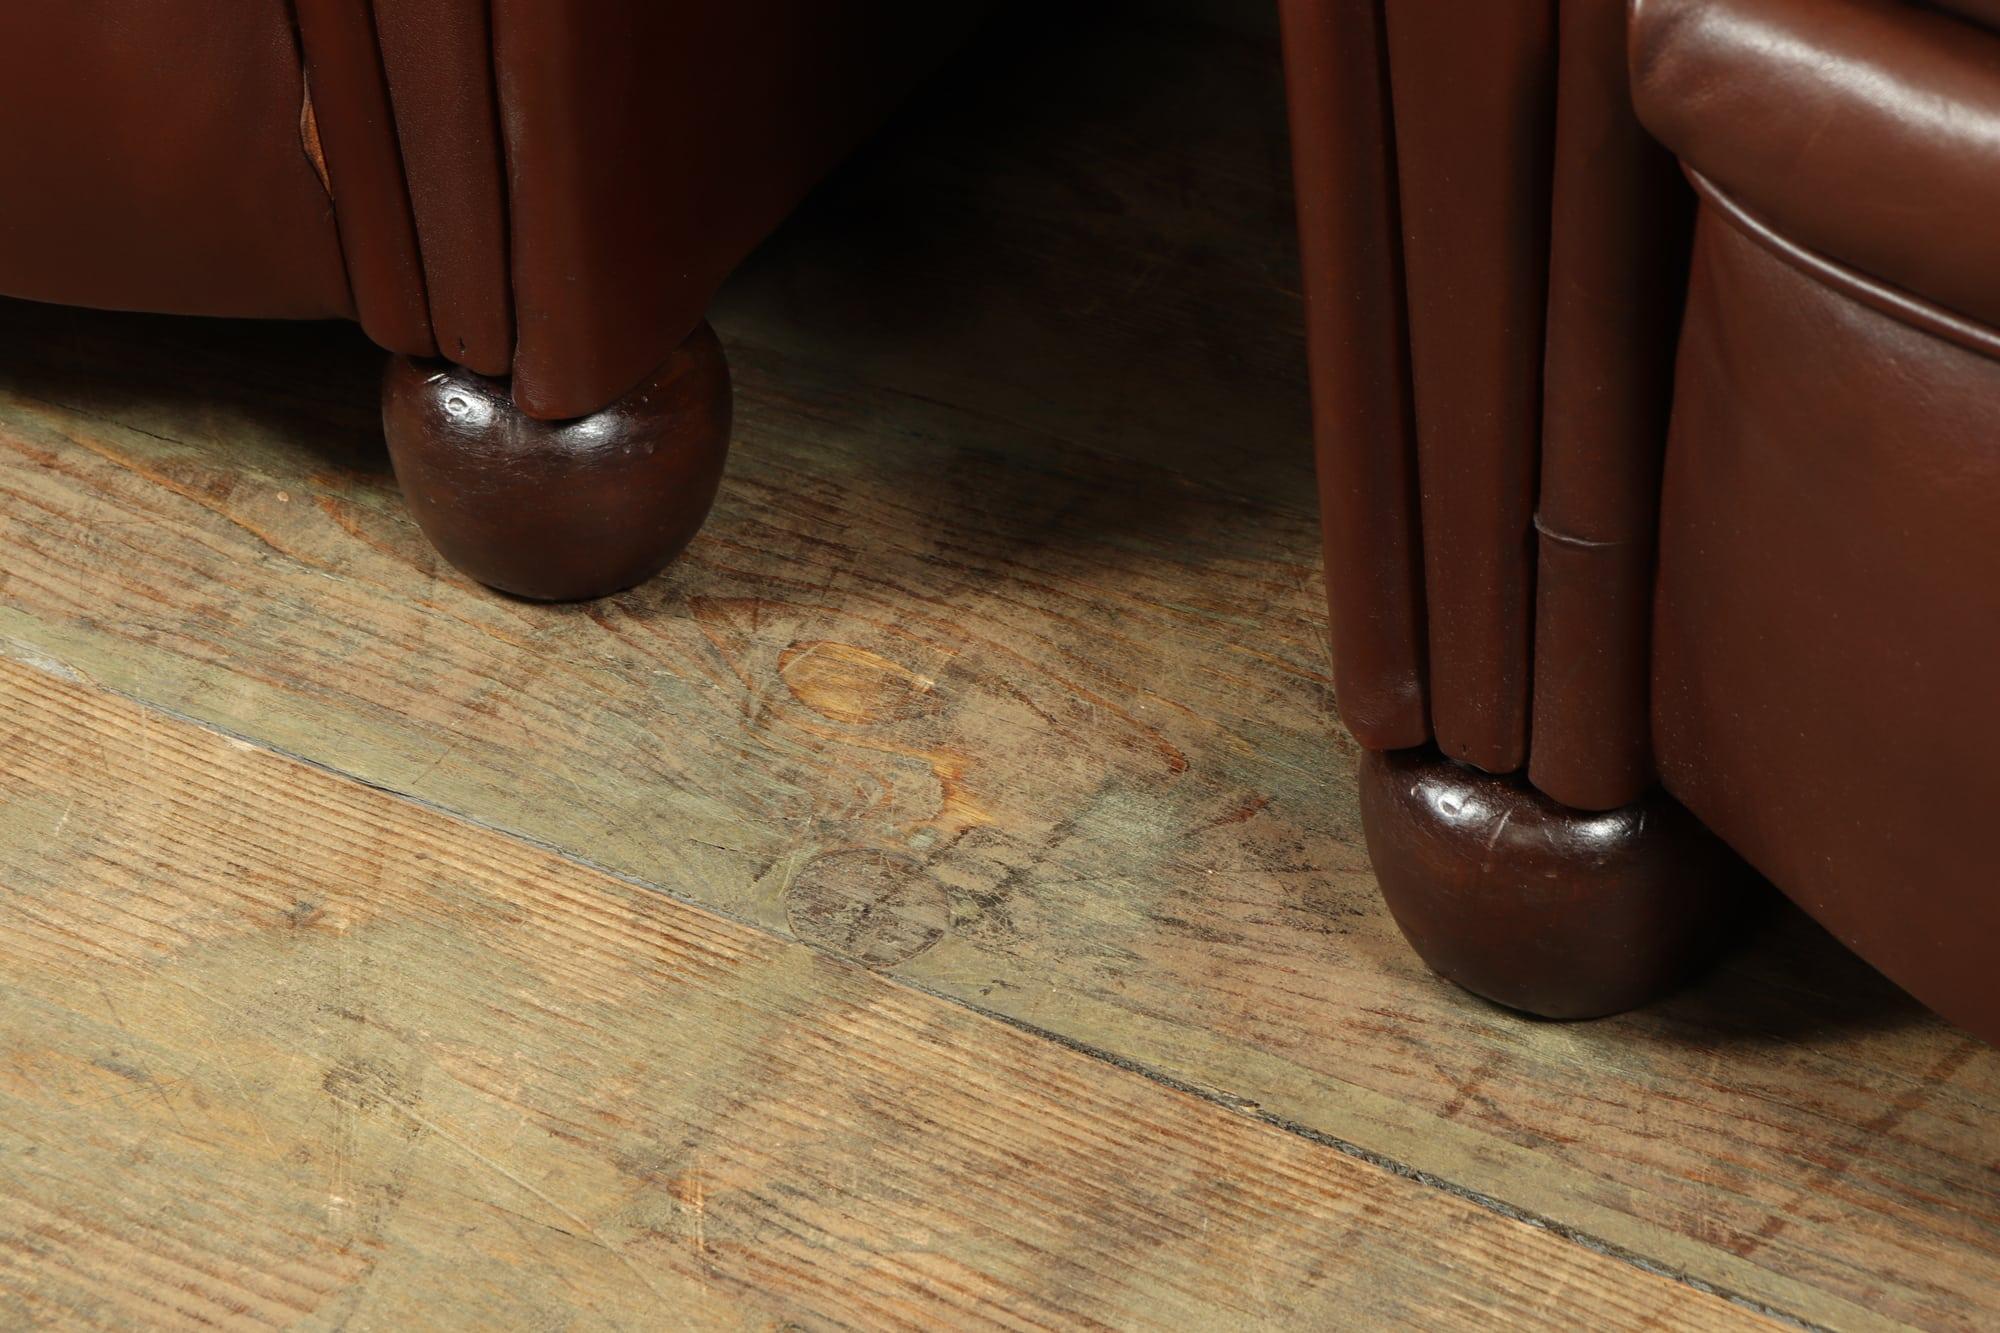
(309,137)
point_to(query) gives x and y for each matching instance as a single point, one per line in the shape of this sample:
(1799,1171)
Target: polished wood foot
(1559,912)
(560,510)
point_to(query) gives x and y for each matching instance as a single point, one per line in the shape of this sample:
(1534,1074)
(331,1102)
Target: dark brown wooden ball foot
(1559,912)
(560,510)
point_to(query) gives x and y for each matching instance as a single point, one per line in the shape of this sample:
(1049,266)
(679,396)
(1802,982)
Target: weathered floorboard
(1000,667)
(278,1048)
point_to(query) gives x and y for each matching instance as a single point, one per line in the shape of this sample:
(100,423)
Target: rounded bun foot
(1558,912)
(560,510)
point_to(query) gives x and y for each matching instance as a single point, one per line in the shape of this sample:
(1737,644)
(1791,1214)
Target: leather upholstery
(1541,239)
(1828,620)
(650,146)
(1891,109)
(1828,616)
(437,55)
(1985,12)
(158,157)
(554,192)
(1620,219)
(1336,80)
(370,196)
(1810,666)
(1475,251)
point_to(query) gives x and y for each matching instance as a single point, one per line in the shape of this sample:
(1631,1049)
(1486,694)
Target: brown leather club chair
(531,201)
(1575,638)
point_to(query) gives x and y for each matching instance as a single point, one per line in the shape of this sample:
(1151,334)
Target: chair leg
(560,510)
(1559,912)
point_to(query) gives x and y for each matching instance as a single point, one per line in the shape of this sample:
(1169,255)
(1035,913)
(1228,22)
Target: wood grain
(1000,667)
(279,1048)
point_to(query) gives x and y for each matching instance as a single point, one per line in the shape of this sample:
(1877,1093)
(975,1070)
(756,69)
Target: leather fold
(364,169)
(1620,221)
(1473,90)
(438,59)
(649,147)
(1336,80)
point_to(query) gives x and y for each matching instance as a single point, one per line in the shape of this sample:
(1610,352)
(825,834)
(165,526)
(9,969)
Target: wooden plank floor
(1000,671)
(284,1047)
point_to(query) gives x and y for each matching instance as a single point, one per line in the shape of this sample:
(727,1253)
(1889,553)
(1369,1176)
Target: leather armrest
(1865,130)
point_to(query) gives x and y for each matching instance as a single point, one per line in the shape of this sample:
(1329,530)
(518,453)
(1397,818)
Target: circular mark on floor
(848,683)
(874,906)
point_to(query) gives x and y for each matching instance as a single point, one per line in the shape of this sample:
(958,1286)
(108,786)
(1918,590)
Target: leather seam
(1896,303)
(1583,543)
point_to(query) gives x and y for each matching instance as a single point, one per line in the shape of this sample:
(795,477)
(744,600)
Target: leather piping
(1891,301)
